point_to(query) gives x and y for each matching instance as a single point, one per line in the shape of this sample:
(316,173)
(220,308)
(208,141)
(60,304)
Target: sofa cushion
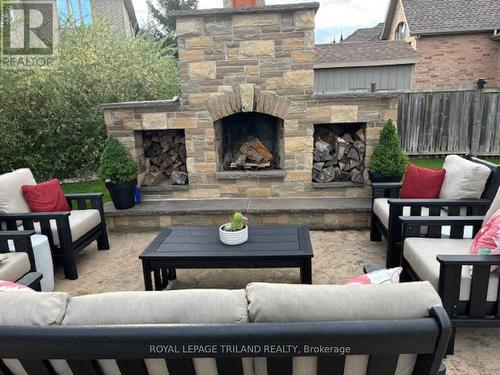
(21,308)
(80,222)
(422,183)
(15,267)
(292,303)
(171,307)
(421,254)
(381,209)
(46,197)
(11,196)
(495,206)
(463,179)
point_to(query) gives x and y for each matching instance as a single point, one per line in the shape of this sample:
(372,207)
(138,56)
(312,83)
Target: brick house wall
(115,12)
(457,61)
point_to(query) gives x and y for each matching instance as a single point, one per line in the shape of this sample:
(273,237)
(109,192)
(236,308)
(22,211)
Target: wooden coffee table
(268,246)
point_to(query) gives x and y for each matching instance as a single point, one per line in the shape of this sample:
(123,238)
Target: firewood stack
(252,155)
(165,157)
(339,157)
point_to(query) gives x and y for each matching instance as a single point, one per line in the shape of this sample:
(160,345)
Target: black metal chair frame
(130,345)
(22,243)
(477,311)
(455,207)
(67,248)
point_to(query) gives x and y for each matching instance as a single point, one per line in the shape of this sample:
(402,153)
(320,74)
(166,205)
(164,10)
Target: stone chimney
(243,3)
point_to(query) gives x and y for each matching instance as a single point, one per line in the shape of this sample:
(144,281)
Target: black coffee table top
(264,241)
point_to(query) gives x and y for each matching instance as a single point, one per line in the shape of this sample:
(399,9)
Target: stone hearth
(247,75)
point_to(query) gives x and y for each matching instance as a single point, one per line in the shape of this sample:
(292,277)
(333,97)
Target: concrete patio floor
(339,256)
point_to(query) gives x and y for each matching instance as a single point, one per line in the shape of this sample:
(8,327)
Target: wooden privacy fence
(450,122)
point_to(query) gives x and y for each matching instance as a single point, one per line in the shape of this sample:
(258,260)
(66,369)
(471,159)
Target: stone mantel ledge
(173,104)
(257,9)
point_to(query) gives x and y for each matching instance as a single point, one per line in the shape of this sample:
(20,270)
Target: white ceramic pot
(233,238)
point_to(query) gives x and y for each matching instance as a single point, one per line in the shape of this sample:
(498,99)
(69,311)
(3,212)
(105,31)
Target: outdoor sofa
(19,266)
(387,208)
(469,290)
(68,232)
(266,329)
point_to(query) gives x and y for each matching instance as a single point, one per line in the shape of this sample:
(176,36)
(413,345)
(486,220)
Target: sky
(334,17)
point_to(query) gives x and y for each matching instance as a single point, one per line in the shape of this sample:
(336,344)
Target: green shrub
(50,119)
(238,222)
(116,164)
(388,159)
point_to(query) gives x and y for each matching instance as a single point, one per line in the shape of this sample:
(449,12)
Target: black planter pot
(377,177)
(123,195)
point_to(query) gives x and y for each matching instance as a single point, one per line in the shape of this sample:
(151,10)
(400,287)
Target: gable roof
(366,53)
(432,17)
(365,34)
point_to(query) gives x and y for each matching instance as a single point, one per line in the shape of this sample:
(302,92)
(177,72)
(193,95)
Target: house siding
(457,61)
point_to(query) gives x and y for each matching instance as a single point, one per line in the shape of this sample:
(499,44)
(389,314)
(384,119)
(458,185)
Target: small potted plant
(388,163)
(235,232)
(119,172)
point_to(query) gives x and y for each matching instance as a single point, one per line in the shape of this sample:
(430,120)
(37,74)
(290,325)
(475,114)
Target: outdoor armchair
(387,208)
(19,267)
(68,233)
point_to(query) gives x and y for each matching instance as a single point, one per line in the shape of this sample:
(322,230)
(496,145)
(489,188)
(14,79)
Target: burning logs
(252,155)
(165,157)
(339,157)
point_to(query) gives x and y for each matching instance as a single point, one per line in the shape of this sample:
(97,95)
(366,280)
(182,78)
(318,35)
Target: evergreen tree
(163,26)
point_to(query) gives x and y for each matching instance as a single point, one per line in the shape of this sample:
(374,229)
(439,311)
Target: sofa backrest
(493,182)
(11,196)
(342,344)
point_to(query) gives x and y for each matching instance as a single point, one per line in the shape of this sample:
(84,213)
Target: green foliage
(93,186)
(388,159)
(50,119)
(163,26)
(116,164)
(238,222)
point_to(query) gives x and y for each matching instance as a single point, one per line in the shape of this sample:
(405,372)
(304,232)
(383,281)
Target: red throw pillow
(422,183)
(45,197)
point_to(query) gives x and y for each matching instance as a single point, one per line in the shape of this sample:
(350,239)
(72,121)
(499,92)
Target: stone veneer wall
(239,60)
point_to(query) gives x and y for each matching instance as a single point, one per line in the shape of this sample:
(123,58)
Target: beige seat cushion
(421,254)
(11,196)
(495,206)
(80,222)
(14,267)
(170,307)
(22,308)
(463,179)
(294,303)
(381,209)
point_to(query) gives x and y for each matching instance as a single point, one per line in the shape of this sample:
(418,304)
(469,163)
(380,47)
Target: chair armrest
(81,199)
(385,189)
(35,216)
(22,243)
(469,260)
(439,202)
(412,225)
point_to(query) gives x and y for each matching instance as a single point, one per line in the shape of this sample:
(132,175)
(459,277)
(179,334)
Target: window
(74,12)
(400,33)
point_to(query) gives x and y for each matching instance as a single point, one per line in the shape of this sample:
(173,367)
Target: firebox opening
(339,153)
(249,141)
(164,157)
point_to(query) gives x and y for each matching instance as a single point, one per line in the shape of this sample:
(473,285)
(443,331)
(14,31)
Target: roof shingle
(366,34)
(357,53)
(450,16)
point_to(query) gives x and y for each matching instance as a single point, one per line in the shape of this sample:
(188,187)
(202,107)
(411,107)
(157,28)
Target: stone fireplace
(248,112)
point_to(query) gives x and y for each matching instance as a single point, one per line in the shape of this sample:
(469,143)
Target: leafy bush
(238,222)
(116,164)
(50,119)
(388,159)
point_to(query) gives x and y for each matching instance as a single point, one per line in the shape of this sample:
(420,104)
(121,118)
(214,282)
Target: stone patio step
(318,213)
